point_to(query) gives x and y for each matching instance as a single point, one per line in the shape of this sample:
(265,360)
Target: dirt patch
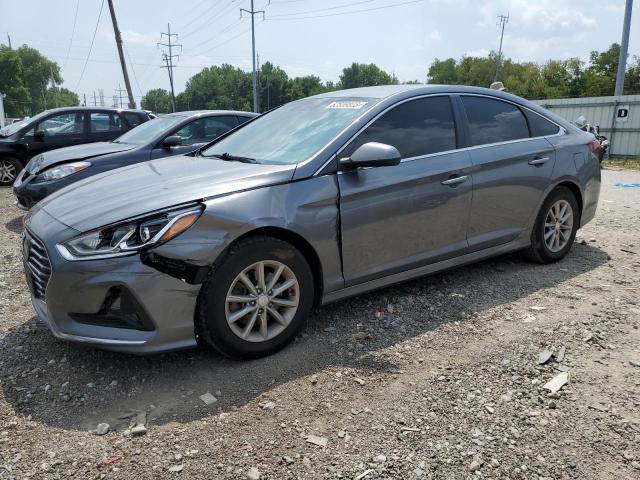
(435,378)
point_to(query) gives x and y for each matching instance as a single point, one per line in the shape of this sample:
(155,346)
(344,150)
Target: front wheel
(9,169)
(556,227)
(256,300)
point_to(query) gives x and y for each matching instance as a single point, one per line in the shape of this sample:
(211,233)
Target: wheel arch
(299,242)
(575,189)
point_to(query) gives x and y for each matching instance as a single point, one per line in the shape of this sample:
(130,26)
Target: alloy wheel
(7,171)
(262,301)
(558,225)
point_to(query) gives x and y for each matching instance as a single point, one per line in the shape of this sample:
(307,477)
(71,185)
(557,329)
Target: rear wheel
(556,227)
(256,300)
(9,169)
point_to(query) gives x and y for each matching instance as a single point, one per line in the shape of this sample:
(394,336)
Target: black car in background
(173,134)
(60,127)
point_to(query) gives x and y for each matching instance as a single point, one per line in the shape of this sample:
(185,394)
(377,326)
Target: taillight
(594,146)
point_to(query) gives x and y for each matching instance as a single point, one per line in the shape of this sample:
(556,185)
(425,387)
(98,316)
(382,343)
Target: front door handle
(455,181)
(536,162)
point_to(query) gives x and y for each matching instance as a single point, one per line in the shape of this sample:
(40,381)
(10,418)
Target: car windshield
(14,127)
(292,133)
(148,131)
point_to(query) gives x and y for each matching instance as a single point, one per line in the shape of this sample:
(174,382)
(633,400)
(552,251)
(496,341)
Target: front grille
(38,264)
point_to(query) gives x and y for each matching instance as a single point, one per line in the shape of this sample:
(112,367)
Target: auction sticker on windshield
(347,104)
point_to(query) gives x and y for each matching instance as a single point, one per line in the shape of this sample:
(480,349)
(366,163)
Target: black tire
(539,251)
(9,165)
(211,320)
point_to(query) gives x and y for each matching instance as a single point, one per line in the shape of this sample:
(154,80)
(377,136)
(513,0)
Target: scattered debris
(208,398)
(102,429)
(254,474)
(557,382)
(544,357)
(112,460)
(316,440)
(561,353)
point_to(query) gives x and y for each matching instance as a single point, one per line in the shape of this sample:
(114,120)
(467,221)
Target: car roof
(95,109)
(210,113)
(386,91)
(394,93)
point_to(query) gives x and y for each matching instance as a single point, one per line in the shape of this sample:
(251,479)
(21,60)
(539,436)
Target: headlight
(61,171)
(129,237)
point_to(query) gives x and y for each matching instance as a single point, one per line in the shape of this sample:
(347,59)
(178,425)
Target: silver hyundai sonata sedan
(315,201)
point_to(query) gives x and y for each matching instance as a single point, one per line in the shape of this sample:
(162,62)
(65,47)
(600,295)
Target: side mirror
(172,141)
(39,134)
(372,154)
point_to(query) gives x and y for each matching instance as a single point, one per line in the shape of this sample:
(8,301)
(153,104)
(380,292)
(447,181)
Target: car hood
(150,186)
(74,153)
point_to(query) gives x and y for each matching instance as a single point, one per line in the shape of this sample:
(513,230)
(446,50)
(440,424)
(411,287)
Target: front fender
(308,208)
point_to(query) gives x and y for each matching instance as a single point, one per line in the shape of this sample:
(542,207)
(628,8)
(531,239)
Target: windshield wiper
(235,158)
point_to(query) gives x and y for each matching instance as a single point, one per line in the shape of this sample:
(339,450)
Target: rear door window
(62,124)
(206,129)
(100,122)
(418,127)
(494,121)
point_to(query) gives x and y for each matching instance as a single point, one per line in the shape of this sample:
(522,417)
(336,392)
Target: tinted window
(63,124)
(242,119)
(105,122)
(206,129)
(492,121)
(415,128)
(540,126)
(132,119)
(149,131)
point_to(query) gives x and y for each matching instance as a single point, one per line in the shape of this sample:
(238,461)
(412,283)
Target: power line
(126,50)
(73,31)
(208,21)
(363,10)
(336,7)
(502,21)
(218,33)
(91,47)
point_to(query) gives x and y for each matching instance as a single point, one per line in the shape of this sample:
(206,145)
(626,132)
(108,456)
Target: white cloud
(132,37)
(434,35)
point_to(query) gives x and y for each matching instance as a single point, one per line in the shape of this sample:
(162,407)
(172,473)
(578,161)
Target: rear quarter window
(494,121)
(133,119)
(540,126)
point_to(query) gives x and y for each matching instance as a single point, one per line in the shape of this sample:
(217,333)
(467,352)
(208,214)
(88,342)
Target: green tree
(18,99)
(274,87)
(365,75)
(443,72)
(38,72)
(61,97)
(157,100)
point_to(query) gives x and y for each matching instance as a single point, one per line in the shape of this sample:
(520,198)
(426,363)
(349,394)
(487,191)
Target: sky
(303,37)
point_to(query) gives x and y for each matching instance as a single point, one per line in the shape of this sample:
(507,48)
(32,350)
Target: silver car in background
(320,199)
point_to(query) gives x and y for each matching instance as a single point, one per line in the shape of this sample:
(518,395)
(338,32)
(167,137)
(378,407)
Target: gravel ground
(436,378)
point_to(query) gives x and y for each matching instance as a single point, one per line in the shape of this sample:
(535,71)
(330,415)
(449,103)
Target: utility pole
(101,93)
(85,99)
(253,12)
(9,39)
(502,21)
(168,59)
(127,83)
(624,47)
(119,91)
(2,121)
(95,100)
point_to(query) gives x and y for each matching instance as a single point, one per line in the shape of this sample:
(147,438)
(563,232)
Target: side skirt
(401,277)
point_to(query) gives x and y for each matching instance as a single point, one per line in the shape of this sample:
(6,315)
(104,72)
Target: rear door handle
(455,181)
(539,161)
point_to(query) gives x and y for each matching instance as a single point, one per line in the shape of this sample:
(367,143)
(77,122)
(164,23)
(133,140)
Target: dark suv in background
(60,127)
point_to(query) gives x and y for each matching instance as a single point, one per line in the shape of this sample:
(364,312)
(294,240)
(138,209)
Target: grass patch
(629,163)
